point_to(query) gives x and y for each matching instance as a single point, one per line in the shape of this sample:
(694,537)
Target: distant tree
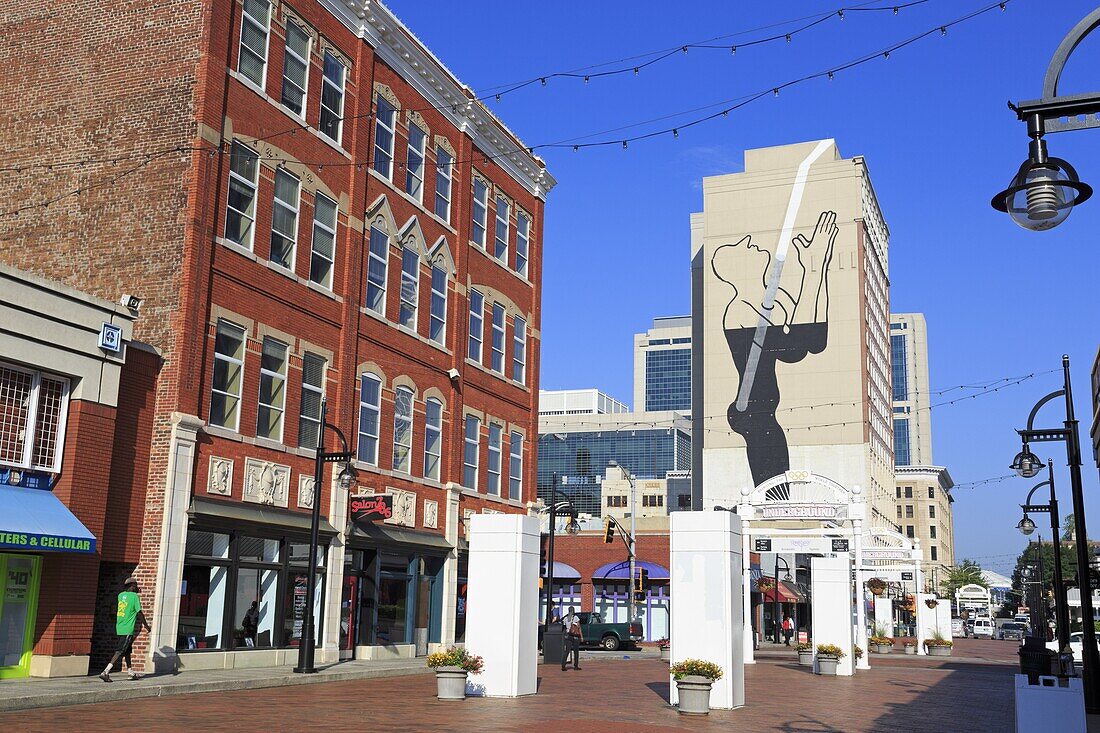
(1067,528)
(967,572)
(1034,555)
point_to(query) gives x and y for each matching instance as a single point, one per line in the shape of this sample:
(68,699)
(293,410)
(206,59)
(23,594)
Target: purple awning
(621,571)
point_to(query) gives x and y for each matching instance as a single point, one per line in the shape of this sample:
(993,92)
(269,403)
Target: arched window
(402,430)
(433,438)
(370,409)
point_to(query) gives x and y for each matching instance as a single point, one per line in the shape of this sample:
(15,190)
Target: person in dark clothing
(571,641)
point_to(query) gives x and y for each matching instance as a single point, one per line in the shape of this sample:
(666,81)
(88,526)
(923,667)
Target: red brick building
(308,203)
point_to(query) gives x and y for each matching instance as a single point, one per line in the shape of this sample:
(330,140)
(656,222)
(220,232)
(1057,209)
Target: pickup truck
(594,632)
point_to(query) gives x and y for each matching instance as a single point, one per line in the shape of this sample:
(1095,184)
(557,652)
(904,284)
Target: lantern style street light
(1027,526)
(1045,189)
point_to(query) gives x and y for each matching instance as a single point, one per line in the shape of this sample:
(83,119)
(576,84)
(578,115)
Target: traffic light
(608,530)
(639,596)
(641,581)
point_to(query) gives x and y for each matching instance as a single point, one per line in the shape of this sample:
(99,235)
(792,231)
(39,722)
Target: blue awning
(37,521)
(562,571)
(621,570)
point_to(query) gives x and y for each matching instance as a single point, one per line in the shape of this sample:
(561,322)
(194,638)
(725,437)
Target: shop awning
(384,535)
(621,570)
(36,520)
(562,571)
(235,513)
(788,593)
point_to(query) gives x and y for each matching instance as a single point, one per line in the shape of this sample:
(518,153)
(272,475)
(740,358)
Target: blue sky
(939,140)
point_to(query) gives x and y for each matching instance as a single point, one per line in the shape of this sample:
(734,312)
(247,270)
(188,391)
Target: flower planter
(910,649)
(450,683)
(882,648)
(939,651)
(693,692)
(806,658)
(666,653)
(827,665)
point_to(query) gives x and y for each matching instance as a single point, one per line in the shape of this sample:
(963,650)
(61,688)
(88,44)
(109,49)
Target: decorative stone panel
(221,476)
(305,491)
(404,508)
(266,482)
(431,514)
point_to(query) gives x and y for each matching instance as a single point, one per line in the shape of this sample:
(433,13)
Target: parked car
(1076,645)
(984,628)
(1023,618)
(958,627)
(1012,630)
(609,636)
(969,627)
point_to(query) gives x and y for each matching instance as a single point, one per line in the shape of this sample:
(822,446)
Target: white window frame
(477,335)
(376,408)
(291,53)
(276,204)
(501,229)
(433,436)
(444,174)
(410,288)
(384,259)
(275,377)
(30,428)
(247,18)
(523,242)
(233,361)
(519,350)
(416,173)
(515,465)
(496,345)
(253,185)
(382,154)
(314,389)
(467,443)
(341,89)
(480,213)
(324,227)
(437,309)
(496,453)
(402,462)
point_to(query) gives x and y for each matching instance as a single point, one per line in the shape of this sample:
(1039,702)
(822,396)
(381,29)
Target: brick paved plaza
(971,691)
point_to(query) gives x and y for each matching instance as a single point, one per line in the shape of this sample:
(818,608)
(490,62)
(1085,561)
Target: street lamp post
(1045,189)
(346,479)
(775,593)
(631,548)
(1028,465)
(574,528)
(1027,526)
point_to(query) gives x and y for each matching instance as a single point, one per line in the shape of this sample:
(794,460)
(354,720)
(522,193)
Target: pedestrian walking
(127,619)
(788,629)
(571,640)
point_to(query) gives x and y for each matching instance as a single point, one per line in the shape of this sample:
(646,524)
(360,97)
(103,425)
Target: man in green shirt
(127,618)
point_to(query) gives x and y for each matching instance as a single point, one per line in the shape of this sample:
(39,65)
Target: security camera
(453,374)
(130,301)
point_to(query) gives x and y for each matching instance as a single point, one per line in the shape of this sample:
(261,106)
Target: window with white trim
(225,395)
(272,403)
(313,391)
(332,98)
(296,69)
(500,249)
(480,212)
(33,411)
(370,411)
(402,429)
(515,465)
(414,168)
(284,218)
(472,444)
(519,350)
(377,267)
(433,437)
(240,210)
(443,173)
(384,121)
(324,241)
(410,287)
(477,325)
(497,360)
(255,29)
(496,437)
(437,324)
(523,242)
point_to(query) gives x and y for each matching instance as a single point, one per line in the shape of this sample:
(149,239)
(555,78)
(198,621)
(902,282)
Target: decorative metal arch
(800,487)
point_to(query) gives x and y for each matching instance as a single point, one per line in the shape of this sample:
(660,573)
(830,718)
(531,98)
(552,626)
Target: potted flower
(876,586)
(938,646)
(805,654)
(665,647)
(451,668)
(931,602)
(858,651)
(910,645)
(694,678)
(828,656)
(880,642)
(765,584)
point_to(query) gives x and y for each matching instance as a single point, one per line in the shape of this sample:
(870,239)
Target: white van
(984,628)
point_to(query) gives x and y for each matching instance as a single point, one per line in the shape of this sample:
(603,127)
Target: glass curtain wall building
(662,366)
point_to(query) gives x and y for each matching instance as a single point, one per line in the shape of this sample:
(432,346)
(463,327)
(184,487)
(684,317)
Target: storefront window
(393,603)
(202,603)
(254,615)
(258,549)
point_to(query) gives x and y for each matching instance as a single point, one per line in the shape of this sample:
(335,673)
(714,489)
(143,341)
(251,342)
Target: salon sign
(371,508)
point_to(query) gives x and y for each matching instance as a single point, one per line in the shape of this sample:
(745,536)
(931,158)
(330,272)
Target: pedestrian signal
(608,531)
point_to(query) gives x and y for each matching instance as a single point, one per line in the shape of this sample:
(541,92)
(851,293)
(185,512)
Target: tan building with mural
(790,300)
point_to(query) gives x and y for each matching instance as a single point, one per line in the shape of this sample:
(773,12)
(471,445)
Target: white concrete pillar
(503,604)
(884,614)
(450,516)
(919,583)
(831,607)
(861,611)
(328,650)
(748,643)
(707,620)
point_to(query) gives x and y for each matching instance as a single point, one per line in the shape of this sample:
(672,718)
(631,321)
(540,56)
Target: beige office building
(924,500)
(790,342)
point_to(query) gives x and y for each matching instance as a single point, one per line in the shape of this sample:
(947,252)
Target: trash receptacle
(551,644)
(1035,659)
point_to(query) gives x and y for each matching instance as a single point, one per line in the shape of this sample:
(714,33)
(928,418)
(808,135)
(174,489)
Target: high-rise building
(790,340)
(924,513)
(909,385)
(662,366)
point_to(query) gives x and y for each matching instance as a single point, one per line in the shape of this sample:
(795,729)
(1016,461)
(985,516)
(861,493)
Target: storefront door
(18,606)
(349,610)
